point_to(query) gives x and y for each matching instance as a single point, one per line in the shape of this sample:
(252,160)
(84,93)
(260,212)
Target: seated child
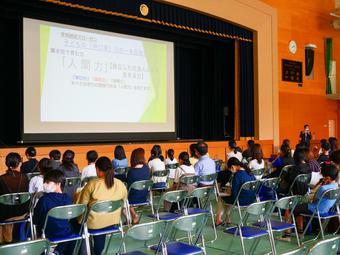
(53,197)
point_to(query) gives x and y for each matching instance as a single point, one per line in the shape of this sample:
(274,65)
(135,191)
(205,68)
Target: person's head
(285,151)
(68,159)
(286,142)
(334,143)
(306,127)
(232,145)
(91,156)
(156,152)
(13,161)
(257,153)
(119,152)
(329,171)
(325,147)
(183,158)
(300,156)
(30,152)
(250,144)
(193,150)
(171,154)
(201,149)
(335,158)
(137,157)
(55,154)
(233,164)
(53,181)
(105,170)
(45,165)
(322,141)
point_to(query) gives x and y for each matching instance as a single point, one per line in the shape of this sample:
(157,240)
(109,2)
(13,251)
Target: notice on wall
(291,71)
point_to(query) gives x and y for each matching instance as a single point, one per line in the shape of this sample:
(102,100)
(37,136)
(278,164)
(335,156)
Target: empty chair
(40,246)
(328,246)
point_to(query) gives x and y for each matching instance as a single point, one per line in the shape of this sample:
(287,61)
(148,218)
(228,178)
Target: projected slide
(84,80)
(84,73)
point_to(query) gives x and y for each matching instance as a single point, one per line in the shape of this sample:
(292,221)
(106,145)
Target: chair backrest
(146,231)
(331,194)
(208,178)
(302,178)
(271,183)
(298,251)
(174,196)
(288,203)
(66,212)
(106,206)
(171,166)
(328,246)
(285,170)
(121,170)
(260,208)
(30,247)
(189,179)
(141,185)
(72,182)
(258,172)
(31,175)
(203,192)
(161,173)
(249,186)
(87,179)
(15,198)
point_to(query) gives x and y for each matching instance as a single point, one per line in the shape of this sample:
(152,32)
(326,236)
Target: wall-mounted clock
(292,47)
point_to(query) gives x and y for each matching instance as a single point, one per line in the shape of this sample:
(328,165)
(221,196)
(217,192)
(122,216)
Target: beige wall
(262,19)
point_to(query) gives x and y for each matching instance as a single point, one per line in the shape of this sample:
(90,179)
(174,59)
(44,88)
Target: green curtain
(328,63)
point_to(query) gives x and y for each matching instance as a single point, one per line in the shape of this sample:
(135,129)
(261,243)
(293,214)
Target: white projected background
(81,80)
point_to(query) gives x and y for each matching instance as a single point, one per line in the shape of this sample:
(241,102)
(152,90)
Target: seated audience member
(156,163)
(205,165)
(90,169)
(241,176)
(280,162)
(301,167)
(55,156)
(225,176)
(105,187)
(12,181)
(322,141)
(286,142)
(184,169)
(37,182)
(53,197)
(170,160)
(247,153)
(31,165)
(333,141)
(325,149)
(234,153)
(313,163)
(193,157)
(329,173)
(70,169)
(139,171)
(257,161)
(120,159)
(335,158)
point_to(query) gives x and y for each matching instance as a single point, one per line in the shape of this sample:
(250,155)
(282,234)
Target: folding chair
(328,246)
(188,180)
(204,197)
(86,180)
(33,203)
(261,210)
(285,170)
(67,212)
(332,194)
(144,232)
(71,185)
(247,186)
(270,184)
(15,199)
(31,175)
(140,185)
(161,185)
(121,172)
(172,168)
(41,246)
(298,251)
(192,226)
(301,178)
(210,178)
(258,173)
(218,164)
(103,207)
(172,197)
(285,203)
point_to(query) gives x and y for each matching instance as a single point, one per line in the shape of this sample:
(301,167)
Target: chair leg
(306,228)
(87,240)
(213,222)
(242,242)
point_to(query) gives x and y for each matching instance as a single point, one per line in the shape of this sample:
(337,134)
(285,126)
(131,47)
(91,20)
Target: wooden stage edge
(217,149)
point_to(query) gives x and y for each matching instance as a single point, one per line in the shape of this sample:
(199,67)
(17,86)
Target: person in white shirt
(234,153)
(257,161)
(193,157)
(171,160)
(90,169)
(156,163)
(37,182)
(184,169)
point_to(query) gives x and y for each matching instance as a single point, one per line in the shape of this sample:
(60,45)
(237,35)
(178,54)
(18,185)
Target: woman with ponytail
(234,151)
(106,187)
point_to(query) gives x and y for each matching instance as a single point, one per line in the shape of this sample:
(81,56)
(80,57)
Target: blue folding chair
(323,219)
(161,174)
(327,246)
(41,246)
(192,226)
(268,189)
(67,212)
(260,210)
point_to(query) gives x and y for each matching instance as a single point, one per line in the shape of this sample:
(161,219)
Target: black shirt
(30,166)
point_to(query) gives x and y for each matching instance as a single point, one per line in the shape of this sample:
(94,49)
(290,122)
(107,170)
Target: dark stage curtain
(246,89)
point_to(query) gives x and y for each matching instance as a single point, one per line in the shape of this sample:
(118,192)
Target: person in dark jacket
(52,198)
(31,165)
(305,136)
(325,149)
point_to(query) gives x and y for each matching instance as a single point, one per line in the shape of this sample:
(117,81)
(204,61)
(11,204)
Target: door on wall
(331,128)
